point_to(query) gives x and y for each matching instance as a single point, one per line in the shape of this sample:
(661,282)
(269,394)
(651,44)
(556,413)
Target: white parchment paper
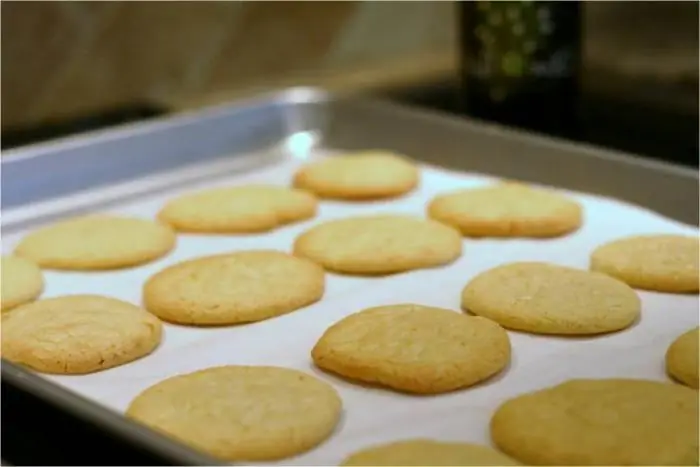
(376,415)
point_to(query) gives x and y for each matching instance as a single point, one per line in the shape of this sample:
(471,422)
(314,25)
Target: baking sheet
(373,415)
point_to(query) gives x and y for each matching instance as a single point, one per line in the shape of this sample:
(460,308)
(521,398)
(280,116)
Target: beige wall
(66,58)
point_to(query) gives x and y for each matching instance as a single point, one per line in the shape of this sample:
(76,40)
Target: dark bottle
(520,63)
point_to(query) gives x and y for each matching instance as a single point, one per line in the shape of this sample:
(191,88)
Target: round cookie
(359,176)
(234,288)
(422,452)
(78,334)
(97,242)
(664,263)
(601,422)
(549,299)
(682,358)
(507,210)
(380,244)
(413,348)
(21,282)
(241,413)
(243,209)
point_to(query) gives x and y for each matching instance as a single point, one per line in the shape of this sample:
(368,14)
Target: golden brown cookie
(359,176)
(241,413)
(665,263)
(233,288)
(241,209)
(601,422)
(682,358)
(413,348)
(549,299)
(97,242)
(423,452)
(507,210)
(21,280)
(78,334)
(380,244)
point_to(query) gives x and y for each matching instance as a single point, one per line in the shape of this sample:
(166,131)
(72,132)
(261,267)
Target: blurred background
(73,66)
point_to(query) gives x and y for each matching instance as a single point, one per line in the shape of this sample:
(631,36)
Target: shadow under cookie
(549,299)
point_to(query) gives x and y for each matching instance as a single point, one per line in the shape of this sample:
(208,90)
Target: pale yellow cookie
(78,334)
(21,281)
(233,288)
(601,422)
(682,358)
(425,452)
(549,299)
(97,242)
(241,209)
(507,210)
(665,263)
(359,176)
(414,348)
(380,244)
(241,413)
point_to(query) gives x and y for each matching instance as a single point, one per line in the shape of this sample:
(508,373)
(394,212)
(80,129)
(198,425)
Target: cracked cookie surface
(78,334)
(544,298)
(413,348)
(97,242)
(663,263)
(600,422)
(241,287)
(240,209)
(365,175)
(379,244)
(22,282)
(242,413)
(422,452)
(507,210)
(682,358)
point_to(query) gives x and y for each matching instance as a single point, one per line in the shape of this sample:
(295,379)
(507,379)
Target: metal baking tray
(47,181)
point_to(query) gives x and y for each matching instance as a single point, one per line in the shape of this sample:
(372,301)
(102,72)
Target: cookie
(233,288)
(422,452)
(507,210)
(601,422)
(242,209)
(241,413)
(380,244)
(97,242)
(21,280)
(545,298)
(413,348)
(78,334)
(682,358)
(664,263)
(363,175)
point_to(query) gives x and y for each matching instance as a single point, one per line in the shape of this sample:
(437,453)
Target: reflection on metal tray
(46,171)
(606,119)
(41,174)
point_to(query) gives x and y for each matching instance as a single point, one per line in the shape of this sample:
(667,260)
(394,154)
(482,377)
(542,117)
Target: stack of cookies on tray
(259,413)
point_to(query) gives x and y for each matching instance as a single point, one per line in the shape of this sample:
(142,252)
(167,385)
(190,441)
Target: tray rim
(317,95)
(283,108)
(294,95)
(279,103)
(116,422)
